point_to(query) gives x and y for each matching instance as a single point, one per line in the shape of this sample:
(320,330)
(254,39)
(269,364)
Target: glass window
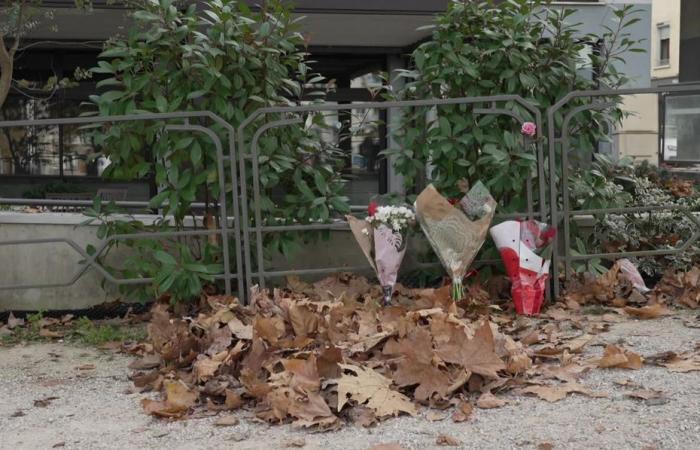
(681,137)
(29,150)
(65,150)
(79,154)
(664,44)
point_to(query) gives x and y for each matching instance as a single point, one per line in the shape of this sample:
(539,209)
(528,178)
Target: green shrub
(220,56)
(517,47)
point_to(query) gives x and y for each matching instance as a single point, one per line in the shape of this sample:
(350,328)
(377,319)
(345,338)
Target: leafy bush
(656,230)
(517,47)
(601,185)
(219,56)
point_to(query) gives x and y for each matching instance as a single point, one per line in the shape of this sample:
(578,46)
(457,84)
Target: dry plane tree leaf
(489,401)
(298,441)
(568,373)
(368,386)
(477,355)
(616,357)
(146,363)
(204,368)
(647,312)
(463,411)
(45,332)
(646,394)
(416,367)
(270,329)
(227,421)
(447,441)
(239,329)
(679,364)
(361,415)
(44,402)
(13,322)
(436,416)
(576,345)
(304,321)
(178,399)
(555,393)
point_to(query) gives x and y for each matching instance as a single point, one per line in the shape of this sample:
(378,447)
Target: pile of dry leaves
(324,354)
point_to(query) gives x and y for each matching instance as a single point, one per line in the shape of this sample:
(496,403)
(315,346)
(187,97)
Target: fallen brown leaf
(647,312)
(416,367)
(476,355)
(298,441)
(45,332)
(446,440)
(463,411)
(645,394)
(146,363)
(616,357)
(679,364)
(178,399)
(44,402)
(489,401)
(227,421)
(365,386)
(13,322)
(554,393)
(436,416)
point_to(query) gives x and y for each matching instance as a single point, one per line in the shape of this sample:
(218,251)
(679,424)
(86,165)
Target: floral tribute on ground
(456,228)
(382,237)
(525,247)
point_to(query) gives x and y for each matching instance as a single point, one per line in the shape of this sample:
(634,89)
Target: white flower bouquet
(382,237)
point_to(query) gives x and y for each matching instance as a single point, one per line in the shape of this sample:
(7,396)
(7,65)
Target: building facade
(351,41)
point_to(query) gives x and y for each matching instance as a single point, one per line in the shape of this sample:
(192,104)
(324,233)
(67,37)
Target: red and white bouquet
(382,236)
(525,248)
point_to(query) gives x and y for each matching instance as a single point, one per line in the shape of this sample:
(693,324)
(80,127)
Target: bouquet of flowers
(456,229)
(382,237)
(525,248)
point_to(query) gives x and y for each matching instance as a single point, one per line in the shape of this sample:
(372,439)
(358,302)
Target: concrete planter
(59,263)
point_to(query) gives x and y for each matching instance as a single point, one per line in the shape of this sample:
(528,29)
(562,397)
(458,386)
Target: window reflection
(65,150)
(681,140)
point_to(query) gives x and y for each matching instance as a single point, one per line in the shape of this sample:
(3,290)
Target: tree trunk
(6,67)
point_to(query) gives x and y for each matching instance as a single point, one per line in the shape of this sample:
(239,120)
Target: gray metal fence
(247,263)
(293,116)
(233,267)
(559,148)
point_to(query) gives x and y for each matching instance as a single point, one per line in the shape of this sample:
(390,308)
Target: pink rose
(529,129)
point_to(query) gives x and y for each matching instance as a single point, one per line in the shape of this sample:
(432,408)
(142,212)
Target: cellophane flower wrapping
(456,232)
(518,243)
(383,238)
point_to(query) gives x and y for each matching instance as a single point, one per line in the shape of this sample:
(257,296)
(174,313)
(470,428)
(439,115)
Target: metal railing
(257,227)
(559,188)
(223,232)
(246,262)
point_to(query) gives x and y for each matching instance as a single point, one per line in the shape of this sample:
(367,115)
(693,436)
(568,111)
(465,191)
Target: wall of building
(637,136)
(665,12)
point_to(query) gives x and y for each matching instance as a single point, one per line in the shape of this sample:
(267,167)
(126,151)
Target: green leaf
(165,258)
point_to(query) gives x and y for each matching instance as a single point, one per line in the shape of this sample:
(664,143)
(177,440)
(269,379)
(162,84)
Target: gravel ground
(95,410)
